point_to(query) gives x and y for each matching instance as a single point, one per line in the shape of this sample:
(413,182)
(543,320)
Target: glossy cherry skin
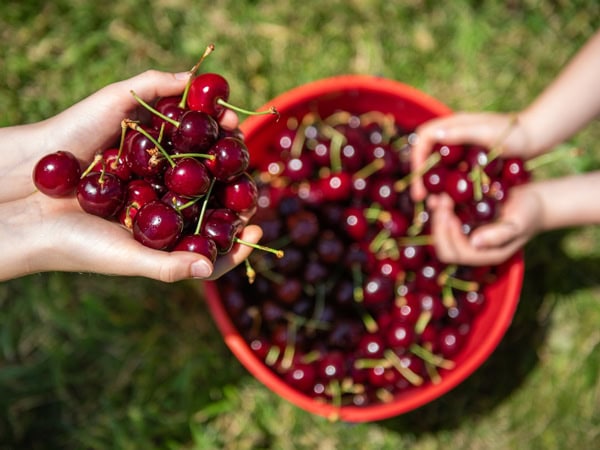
(336,187)
(205,91)
(198,244)
(114,162)
(222,226)
(57,174)
(169,107)
(101,194)
(141,154)
(188,177)
(196,133)
(157,225)
(231,158)
(137,194)
(239,195)
(459,186)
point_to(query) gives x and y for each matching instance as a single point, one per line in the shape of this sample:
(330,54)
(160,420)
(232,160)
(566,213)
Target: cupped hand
(489,244)
(48,234)
(490,130)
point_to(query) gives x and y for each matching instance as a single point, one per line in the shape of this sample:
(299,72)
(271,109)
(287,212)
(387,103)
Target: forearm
(568,103)
(569,201)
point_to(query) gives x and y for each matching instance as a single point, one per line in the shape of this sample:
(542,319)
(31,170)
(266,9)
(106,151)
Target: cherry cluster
(360,309)
(178,182)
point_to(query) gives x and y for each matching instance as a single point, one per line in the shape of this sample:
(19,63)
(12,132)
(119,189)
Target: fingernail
(201,269)
(182,75)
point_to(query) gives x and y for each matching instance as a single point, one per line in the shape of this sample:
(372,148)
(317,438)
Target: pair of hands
(38,233)
(520,216)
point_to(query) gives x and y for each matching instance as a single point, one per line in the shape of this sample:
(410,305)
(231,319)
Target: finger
(495,234)
(238,253)
(229,120)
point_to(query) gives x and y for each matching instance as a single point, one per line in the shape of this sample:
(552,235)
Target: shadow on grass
(548,271)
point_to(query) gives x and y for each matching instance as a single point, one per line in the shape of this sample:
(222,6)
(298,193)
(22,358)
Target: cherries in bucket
(359,320)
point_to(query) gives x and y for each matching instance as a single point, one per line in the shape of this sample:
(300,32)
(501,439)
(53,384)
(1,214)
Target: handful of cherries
(178,182)
(359,310)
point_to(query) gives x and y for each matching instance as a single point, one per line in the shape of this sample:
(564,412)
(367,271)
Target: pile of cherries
(359,309)
(178,182)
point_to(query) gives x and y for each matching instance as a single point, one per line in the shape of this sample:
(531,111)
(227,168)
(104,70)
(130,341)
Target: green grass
(114,363)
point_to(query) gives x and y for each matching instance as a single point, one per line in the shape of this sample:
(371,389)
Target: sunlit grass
(112,363)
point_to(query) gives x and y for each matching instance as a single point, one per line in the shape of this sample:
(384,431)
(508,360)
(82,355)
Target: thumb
(497,234)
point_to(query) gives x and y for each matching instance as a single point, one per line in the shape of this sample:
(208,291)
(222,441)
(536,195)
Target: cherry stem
(250,272)
(422,321)
(386,121)
(424,239)
(271,110)
(209,49)
(446,278)
(548,158)
(124,129)
(431,358)
(204,206)
(135,126)
(278,253)
(154,111)
(357,277)
(404,182)
(335,148)
(369,169)
(395,361)
(193,155)
(97,159)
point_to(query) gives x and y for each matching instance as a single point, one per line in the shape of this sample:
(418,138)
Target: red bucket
(410,107)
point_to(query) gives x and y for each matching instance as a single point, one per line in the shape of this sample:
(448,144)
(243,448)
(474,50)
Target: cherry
(196,133)
(298,168)
(100,194)
(231,158)
(330,247)
(301,376)
(222,226)
(355,223)
(378,291)
(57,174)
(198,244)
(205,92)
(112,160)
(514,172)
(137,194)
(239,195)
(336,187)
(169,107)
(434,179)
(459,186)
(450,154)
(399,335)
(189,209)
(157,225)
(188,177)
(141,153)
(332,366)
(303,227)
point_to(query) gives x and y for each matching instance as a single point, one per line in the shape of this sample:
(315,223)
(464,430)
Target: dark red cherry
(355,223)
(450,154)
(399,335)
(222,226)
(137,194)
(332,366)
(196,133)
(157,225)
(198,244)
(336,187)
(101,194)
(301,376)
(205,91)
(57,174)
(188,177)
(514,172)
(303,227)
(231,158)
(171,108)
(141,154)
(113,162)
(435,178)
(188,208)
(239,195)
(459,186)
(378,291)
(299,168)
